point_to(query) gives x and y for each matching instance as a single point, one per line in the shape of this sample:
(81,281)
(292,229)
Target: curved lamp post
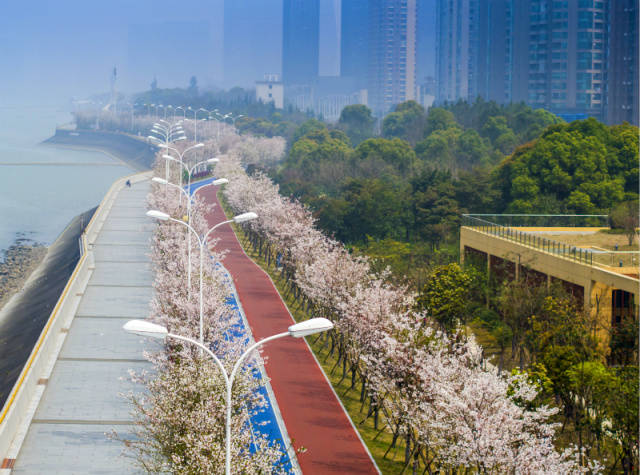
(148,329)
(218,182)
(202,241)
(168,157)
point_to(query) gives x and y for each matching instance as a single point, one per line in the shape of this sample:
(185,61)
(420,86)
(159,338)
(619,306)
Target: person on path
(128,183)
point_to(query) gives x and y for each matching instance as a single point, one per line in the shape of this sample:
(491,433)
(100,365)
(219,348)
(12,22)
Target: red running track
(310,409)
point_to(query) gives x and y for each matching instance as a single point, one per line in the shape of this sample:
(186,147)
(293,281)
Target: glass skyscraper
(300,41)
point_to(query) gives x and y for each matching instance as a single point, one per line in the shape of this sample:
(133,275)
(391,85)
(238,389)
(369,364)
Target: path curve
(311,411)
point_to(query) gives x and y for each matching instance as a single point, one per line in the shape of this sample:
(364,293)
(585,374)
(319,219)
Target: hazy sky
(51,51)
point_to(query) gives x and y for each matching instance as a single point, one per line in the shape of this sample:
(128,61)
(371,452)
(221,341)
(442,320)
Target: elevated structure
(69,395)
(604,280)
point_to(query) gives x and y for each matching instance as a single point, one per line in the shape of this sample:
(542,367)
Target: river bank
(26,312)
(19,261)
(132,151)
(32,277)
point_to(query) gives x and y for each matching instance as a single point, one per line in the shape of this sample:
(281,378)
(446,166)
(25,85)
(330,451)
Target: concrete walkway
(81,400)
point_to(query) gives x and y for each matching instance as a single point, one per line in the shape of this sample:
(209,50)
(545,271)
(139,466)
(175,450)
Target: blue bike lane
(269,421)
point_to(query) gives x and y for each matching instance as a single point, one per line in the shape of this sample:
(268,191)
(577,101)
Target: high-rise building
(567,56)
(425,40)
(354,41)
(473,50)
(392,53)
(300,41)
(252,41)
(492,52)
(622,79)
(455,69)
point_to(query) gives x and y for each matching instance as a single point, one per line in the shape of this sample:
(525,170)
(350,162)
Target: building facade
(300,41)
(567,57)
(392,53)
(354,41)
(270,90)
(622,80)
(474,50)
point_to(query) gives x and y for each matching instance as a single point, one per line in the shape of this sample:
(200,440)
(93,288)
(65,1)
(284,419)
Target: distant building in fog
(270,90)
(425,39)
(454,68)
(252,40)
(473,50)
(559,53)
(427,91)
(622,90)
(493,51)
(354,41)
(300,37)
(567,56)
(392,53)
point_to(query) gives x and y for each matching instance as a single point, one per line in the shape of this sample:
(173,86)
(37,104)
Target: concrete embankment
(135,152)
(25,314)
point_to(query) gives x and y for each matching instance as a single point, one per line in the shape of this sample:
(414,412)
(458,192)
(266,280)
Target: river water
(38,201)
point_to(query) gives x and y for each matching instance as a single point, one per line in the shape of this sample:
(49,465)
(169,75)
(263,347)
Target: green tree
(357,122)
(394,152)
(373,208)
(445,296)
(406,122)
(440,119)
(625,216)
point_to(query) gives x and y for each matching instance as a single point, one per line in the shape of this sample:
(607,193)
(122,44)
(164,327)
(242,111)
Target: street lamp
(168,157)
(195,121)
(218,182)
(241,218)
(298,330)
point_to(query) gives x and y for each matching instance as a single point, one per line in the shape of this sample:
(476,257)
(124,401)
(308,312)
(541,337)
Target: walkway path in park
(312,413)
(79,401)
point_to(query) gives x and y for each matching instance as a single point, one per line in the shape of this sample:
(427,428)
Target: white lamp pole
(308,327)
(241,218)
(168,157)
(218,182)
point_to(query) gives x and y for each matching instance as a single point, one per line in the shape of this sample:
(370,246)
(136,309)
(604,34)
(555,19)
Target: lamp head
(157,179)
(309,327)
(241,218)
(220,181)
(145,328)
(213,160)
(153,213)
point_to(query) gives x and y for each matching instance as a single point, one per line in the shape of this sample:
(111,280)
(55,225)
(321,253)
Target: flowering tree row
(181,414)
(453,411)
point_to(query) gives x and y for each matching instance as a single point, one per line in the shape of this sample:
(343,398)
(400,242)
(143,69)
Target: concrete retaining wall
(28,387)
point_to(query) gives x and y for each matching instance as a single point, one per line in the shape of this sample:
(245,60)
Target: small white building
(270,90)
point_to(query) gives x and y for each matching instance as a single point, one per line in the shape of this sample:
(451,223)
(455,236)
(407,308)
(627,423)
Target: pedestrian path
(312,413)
(82,401)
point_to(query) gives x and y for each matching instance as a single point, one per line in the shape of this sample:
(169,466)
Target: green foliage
(625,217)
(444,297)
(578,165)
(357,122)
(395,152)
(406,122)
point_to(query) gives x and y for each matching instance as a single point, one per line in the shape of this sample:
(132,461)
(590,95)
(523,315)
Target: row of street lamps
(172,133)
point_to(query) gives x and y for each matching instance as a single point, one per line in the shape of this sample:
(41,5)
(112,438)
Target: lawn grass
(377,441)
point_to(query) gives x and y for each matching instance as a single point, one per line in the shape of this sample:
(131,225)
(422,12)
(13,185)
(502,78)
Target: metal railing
(587,256)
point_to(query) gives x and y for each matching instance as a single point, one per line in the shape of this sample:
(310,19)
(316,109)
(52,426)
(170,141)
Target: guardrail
(602,258)
(49,343)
